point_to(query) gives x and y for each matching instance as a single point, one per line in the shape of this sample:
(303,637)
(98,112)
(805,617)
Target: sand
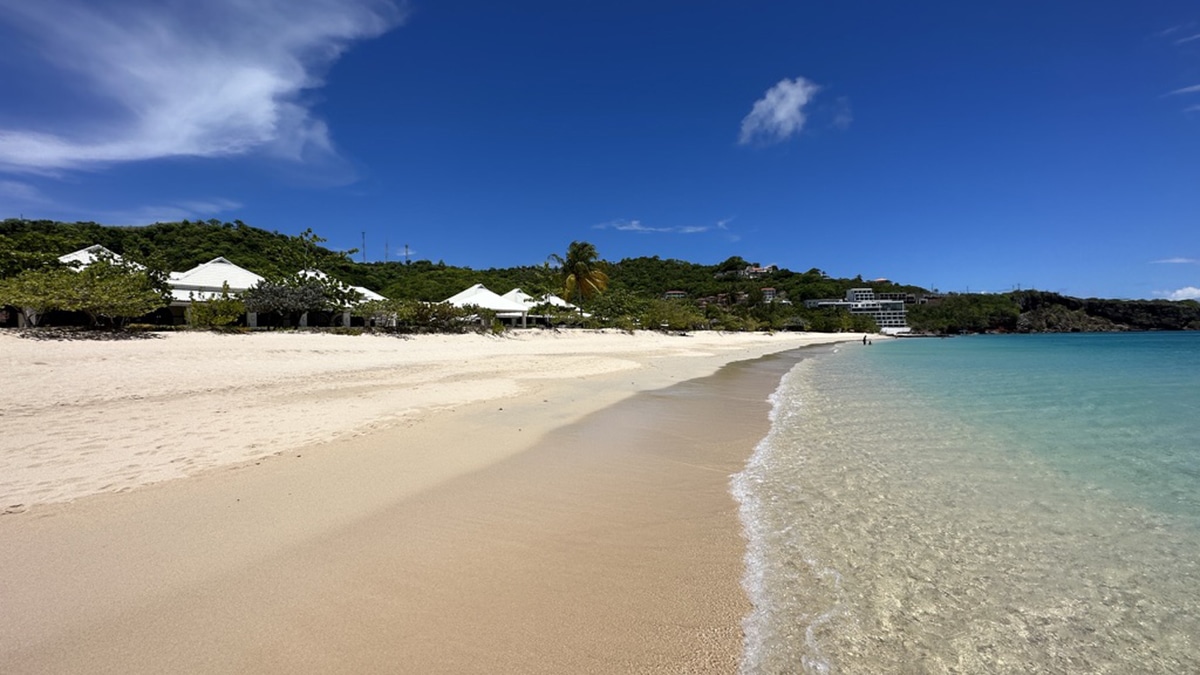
(530,503)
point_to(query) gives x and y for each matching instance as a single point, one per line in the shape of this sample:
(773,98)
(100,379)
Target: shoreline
(351,552)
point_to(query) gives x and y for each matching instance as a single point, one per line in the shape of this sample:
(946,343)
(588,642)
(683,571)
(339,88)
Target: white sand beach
(86,417)
(289,502)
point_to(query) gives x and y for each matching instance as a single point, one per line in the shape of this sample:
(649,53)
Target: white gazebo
(518,295)
(480,296)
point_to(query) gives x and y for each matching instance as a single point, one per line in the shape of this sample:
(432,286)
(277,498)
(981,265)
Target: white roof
(481,297)
(86,256)
(367,293)
(518,295)
(556,301)
(211,276)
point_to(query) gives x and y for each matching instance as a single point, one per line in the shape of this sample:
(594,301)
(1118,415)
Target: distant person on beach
(864,339)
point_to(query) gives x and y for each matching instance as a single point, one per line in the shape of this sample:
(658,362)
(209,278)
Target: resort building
(752,272)
(888,313)
(207,281)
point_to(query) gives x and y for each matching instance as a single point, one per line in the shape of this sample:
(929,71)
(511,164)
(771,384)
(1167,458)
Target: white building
(889,314)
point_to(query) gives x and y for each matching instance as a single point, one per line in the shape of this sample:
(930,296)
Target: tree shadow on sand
(82,334)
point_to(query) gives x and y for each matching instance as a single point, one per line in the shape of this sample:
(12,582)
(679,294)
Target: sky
(963,146)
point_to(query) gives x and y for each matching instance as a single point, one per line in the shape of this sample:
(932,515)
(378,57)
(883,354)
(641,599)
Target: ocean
(979,504)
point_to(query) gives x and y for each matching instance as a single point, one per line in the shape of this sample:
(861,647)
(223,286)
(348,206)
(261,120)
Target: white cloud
(204,79)
(1186,90)
(637,226)
(779,114)
(1187,39)
(1185,293)
(1176,261)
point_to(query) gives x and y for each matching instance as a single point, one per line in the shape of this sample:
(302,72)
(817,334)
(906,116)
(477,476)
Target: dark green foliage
(434,282)
(973,313)
(169,246)
(673,315)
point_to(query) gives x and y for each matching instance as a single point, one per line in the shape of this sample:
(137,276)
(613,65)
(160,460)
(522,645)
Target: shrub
(217,312)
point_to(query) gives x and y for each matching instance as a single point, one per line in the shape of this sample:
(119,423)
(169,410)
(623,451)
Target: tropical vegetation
(645,292)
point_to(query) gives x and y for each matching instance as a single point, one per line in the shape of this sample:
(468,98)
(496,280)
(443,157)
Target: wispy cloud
(1176,261)
(204,79)
(637,226)
(1185,293)
(779,114)
(1175,29)
(842,115)
(169,212)
(20,193)
(1186,90)
(20,198)
(1190,38)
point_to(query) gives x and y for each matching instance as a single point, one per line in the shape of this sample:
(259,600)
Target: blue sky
(960,145)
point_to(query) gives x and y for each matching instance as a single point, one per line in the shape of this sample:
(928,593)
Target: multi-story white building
(888,313)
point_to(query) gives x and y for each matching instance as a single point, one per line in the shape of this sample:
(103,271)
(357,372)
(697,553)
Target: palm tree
(582,272)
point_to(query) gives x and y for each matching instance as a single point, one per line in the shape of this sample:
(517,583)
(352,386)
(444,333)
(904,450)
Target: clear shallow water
(980,504)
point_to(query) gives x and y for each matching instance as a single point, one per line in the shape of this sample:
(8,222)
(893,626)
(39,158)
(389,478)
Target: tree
(674,315)
(619,309)
(107,289)
(581,271)
(304,252)
(18,256)
(37,291)
(290,298)
(113,291)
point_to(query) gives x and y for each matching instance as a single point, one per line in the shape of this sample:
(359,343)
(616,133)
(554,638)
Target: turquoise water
(980,504)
